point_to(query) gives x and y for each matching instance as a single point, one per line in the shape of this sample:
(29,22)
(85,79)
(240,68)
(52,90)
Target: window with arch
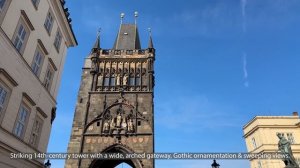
(106,80)
(138,80)
(112,80)
(131,80)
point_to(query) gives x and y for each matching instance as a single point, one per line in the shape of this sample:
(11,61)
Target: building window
(49,22)
(106,81)
(2,4)
(19,129)
(290,138)
(48,77)
(37,62)
(259,165)
(36,131)
(35,3)
(3,98)
(138,80)
(57,40)
(112,81)
(298,161)
(21,36)
(254,143)
(131,80)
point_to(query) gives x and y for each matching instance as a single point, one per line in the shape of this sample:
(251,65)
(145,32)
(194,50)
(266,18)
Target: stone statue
(100,79)
(118,83)
(125,79)
(112,124)
(119,120)
(105,127)
(284,147)
(130,125)
(124,124)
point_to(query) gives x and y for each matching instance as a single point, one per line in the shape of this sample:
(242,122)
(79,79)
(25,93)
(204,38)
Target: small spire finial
(150,44)
(136,14)
(98,31)
(150,32)
(97,43)
(122,17)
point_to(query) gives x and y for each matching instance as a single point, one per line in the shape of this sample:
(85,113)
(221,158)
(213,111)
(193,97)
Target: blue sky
(218,64)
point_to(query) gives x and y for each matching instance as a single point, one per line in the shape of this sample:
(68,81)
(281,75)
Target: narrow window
(106,81)
(20,37)
(254,143)
(138,80)
(2,3)
(21,121)
(57,40)
(112,81)
(36,131)
(48,22)
(298,161)
(259,165)
(48,77)
(131,80)
(35,3)
(3,97)
(290,137)
(37,62)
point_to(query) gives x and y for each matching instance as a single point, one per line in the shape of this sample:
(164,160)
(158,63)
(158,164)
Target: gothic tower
(114,111)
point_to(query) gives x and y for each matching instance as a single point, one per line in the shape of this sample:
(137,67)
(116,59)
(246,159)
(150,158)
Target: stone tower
(115,111)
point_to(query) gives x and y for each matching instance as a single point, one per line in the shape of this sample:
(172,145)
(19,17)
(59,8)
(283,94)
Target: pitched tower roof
(150,44)
(97,42)
(127,38)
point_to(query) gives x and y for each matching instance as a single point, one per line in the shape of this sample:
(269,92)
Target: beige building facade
(261,136)
(34,38)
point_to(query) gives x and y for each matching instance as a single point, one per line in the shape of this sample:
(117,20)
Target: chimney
(295,113)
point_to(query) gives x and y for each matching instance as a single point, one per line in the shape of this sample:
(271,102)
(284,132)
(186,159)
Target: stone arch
(107,110)
(116,148)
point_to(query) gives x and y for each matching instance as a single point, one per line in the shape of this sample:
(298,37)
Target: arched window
(112,80)
(106,80)
(131,80)
(138,80)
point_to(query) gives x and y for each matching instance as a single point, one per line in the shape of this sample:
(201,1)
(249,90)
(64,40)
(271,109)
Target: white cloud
(245,71)
(243,6)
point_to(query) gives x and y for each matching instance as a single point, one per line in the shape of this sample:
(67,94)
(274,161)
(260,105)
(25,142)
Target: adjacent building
(34,38)
(115,108)
(261,136)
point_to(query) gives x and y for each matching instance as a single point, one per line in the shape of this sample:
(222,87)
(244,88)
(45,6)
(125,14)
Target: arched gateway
(114,112)
(134,163)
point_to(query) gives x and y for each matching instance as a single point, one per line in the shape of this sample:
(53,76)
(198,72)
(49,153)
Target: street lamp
(47,164)
(215,164)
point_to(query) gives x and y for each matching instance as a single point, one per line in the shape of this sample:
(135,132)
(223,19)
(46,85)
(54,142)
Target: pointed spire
(97,43)
(136,14)
(122,17)
(150,44)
